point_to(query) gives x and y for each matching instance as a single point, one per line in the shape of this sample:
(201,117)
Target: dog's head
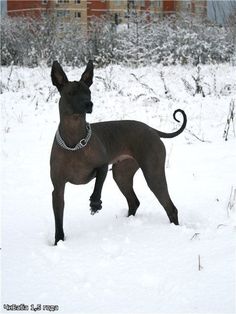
(75,96)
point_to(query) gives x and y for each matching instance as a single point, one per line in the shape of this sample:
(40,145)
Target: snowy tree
(145,40)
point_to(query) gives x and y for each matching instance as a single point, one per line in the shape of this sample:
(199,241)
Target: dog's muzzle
(89,107)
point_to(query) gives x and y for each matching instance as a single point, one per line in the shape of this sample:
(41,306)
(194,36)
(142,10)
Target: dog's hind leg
(158,186)
(123,173)
(154,172)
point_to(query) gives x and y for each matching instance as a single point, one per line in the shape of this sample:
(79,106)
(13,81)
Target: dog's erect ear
(59,78)
(87,76)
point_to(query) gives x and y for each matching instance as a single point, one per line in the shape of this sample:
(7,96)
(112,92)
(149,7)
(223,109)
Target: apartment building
(96,8)
(30,8)
(119,10)
(195,7)
(67,10)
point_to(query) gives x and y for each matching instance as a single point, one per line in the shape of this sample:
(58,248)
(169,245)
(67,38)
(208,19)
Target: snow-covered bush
(175,39)
(30,42)
(102,39)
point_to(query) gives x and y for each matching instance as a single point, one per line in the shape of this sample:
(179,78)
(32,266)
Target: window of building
(77,1)
(62,1)
(44,1)
(63,13)
(117,2)
(60,13)
(77,14)
(155,4)
(187,5)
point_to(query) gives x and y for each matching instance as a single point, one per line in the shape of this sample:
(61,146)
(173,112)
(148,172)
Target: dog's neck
(72,128)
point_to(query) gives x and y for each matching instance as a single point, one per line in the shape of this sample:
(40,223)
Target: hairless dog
(82,152)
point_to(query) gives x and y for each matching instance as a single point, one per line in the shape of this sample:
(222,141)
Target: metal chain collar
(82,143)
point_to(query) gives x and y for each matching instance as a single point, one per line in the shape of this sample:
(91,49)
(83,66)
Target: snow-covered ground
(110,263)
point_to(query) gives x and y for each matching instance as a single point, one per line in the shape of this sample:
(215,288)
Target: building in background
(194,7)
(169,7)
(66,10)
(3,8)
(96,8)
(29,8)
(118,10)
(154,8)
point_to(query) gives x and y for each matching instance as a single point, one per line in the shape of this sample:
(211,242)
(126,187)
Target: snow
(110,263)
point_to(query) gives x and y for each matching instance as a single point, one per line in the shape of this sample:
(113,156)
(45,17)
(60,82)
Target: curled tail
(170,135)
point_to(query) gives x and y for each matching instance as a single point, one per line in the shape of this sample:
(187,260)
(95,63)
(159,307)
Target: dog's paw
(93,212)
(59,238)
(95,207)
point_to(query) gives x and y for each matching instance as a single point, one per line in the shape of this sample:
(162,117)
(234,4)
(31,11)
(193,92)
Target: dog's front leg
(95,198)
(58,209)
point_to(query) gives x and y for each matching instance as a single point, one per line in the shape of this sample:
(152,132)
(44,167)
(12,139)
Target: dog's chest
(71,167)
(78,172)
